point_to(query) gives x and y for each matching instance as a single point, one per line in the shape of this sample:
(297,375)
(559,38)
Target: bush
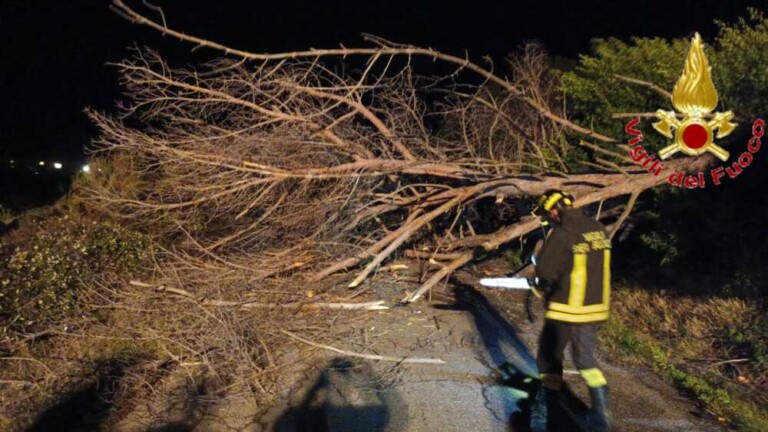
(683,337)
(41,279)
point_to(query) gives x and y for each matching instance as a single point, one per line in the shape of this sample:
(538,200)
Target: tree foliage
(726,218)
(737,57)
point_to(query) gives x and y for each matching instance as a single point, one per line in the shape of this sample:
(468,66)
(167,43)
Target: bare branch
(647,84)
(404,359)
(344,52)
(625,214)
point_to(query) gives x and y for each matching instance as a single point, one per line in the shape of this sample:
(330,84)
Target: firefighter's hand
(543,289)
(528,271)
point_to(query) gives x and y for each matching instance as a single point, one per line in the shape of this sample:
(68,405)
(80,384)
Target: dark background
(53,54)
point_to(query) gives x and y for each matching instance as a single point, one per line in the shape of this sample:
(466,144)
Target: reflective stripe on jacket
(576,262)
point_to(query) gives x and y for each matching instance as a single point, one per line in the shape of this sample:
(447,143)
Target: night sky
(53,53)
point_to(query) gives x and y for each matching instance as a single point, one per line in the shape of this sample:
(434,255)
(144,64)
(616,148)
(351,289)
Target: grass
(692,343)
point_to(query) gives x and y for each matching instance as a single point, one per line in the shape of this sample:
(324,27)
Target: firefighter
(573,268)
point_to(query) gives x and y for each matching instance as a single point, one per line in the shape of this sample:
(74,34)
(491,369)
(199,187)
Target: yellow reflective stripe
(551,201)
(594,377)
(606,277)
(577,310)
(567,317)
(578,280)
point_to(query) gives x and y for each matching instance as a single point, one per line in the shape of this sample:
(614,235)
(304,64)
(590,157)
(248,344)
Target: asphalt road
(488,346)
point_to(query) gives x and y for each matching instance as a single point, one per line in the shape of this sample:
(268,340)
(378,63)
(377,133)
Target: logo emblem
(695,97)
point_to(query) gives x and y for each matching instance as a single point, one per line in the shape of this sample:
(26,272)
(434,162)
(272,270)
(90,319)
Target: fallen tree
(258,166)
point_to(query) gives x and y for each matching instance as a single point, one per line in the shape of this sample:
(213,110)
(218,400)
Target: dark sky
(53,53)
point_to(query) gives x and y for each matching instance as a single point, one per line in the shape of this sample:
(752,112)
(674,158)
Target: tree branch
(404,359)
(463,63)
(647,84)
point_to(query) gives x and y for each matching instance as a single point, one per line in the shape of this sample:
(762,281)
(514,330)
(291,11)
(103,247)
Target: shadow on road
(515,365)
(346,396)
(91,407)
(85,409)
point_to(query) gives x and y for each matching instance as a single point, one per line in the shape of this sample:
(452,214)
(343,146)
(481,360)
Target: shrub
(41,279)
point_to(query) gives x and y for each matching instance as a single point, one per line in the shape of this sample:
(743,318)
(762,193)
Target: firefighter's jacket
(575,265)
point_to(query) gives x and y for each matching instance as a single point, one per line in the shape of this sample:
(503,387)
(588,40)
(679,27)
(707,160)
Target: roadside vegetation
(59,270)
(712,349)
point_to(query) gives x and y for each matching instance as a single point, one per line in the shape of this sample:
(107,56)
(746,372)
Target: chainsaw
(518,283)
(509,283)
(513,282)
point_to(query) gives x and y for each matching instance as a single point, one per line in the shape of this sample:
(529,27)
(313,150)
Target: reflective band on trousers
(593,377)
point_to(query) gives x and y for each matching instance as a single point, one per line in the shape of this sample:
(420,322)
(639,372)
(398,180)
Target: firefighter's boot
(599,418)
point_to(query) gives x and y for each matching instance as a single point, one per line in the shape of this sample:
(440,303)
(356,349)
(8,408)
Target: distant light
(86,168)
(13,161)
(41,163)
(57,165)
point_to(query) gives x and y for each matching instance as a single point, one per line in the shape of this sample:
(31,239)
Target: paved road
(483,385)
(487,344)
